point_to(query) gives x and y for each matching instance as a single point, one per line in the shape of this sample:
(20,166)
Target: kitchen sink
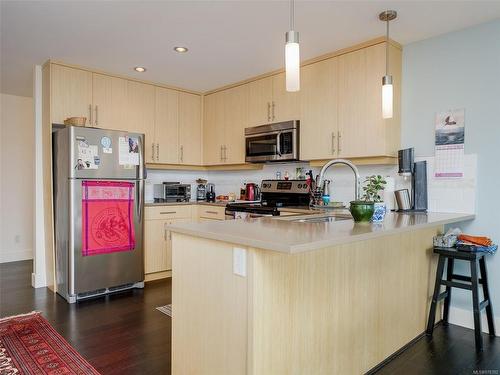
(324,219)
(319,219)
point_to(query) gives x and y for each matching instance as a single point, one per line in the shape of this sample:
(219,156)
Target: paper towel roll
(389,193)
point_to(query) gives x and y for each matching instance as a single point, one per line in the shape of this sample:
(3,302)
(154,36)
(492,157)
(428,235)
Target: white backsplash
(445,195)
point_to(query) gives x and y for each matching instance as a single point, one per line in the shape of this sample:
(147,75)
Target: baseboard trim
(15,255)
(464,318)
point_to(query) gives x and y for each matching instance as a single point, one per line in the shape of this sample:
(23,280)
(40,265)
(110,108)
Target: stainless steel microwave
(272,142)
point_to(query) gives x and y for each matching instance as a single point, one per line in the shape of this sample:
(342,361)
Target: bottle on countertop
(287,176)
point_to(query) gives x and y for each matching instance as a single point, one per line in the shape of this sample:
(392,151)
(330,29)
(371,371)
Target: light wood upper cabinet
(166,137)
(109,98)
(285,105)
(352,104)
(319,110)
(362,130)
(190,129)
(71,93)
(260,97)
(141,114)
(235,122)
(213,128)
(224,122)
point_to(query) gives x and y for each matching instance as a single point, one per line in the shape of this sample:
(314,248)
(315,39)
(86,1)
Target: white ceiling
(228,40)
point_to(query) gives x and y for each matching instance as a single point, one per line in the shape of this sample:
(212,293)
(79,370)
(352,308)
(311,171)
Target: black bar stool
(471,283)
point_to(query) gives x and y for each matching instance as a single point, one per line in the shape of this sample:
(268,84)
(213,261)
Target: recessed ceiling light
(180,49)
(140,69)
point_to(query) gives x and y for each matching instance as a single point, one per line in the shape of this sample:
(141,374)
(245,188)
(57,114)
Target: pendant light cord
(292,14)
(387,49)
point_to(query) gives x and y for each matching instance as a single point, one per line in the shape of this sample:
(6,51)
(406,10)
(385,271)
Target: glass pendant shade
(387,97)
(292,61)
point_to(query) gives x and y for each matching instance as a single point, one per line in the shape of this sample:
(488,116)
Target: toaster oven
(171,192)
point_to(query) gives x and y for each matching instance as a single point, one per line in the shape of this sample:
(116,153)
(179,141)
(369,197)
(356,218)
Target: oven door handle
(278,145)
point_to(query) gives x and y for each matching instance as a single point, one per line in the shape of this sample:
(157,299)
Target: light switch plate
(240,261)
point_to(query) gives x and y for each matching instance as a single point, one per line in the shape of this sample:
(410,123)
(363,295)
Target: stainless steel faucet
(340,161)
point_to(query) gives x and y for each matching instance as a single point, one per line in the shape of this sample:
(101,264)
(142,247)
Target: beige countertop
(283,235)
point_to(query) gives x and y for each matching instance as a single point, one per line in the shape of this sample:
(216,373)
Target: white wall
(16,178)
(461,70)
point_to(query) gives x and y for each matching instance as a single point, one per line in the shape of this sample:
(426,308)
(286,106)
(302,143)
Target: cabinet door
(167,126)
(285,105)
(318,121)
(190,128)
(155,246)
(71,94)
(352,104)
(141,114)
(168,237)
(109,95)
(260,95)
(235,122)
(213,128)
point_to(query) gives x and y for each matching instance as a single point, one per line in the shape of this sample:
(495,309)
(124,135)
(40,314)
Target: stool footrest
(454,284)
(483,304)
(442,296)
(464,278)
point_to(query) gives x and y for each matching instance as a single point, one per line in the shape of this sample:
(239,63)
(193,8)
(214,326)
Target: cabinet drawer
(212,212)
(168,212)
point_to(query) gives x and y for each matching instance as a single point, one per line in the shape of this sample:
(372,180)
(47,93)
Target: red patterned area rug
(29,345)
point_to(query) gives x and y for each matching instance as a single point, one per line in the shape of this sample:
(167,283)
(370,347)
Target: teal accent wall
(460,70)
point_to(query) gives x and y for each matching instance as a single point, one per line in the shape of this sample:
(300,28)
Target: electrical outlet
(240,261)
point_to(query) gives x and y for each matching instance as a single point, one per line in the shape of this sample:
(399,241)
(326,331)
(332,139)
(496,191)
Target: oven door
(280,145)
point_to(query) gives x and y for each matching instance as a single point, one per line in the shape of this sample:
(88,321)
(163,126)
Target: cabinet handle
(168,212)
(338,141)
(211,212)
(333,142)
(90,114)
(225,153)
(268,111)
(273,110)
(221,153)
(153,151)
(182,154)
(165,232)
(96,115)
(157,152)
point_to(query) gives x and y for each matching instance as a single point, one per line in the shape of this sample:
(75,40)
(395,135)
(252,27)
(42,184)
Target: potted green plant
(374,185)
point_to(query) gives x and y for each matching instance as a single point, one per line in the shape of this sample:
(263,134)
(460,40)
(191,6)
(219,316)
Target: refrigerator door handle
(139,199)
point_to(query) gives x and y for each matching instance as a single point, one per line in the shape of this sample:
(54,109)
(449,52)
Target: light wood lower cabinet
(157,238)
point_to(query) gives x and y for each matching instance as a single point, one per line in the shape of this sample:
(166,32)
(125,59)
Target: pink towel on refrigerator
(107,217)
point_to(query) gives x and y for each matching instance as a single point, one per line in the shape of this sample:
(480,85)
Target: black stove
(274,194)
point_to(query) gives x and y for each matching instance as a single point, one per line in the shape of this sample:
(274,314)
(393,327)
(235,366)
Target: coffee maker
(417,171)
(201,189)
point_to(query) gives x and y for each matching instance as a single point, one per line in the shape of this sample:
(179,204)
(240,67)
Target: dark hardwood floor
(125,334)
(119,334)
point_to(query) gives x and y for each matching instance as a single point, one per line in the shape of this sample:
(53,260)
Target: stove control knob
(299,186)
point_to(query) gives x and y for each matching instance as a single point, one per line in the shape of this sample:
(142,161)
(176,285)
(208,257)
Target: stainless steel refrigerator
(98,232)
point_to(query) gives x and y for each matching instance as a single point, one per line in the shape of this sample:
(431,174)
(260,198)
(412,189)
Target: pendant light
(292,54)
(387,90)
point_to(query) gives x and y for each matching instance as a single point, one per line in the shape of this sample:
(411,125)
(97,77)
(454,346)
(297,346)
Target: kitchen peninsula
(283,296)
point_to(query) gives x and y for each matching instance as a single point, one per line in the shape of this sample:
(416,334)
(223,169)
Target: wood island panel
(337,310)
